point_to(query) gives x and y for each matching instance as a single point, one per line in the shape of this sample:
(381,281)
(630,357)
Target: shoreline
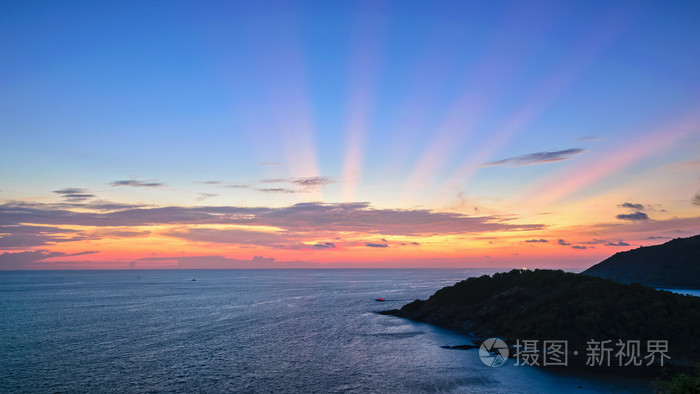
(577,364)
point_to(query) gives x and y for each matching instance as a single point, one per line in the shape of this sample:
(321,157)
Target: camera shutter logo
(493,352)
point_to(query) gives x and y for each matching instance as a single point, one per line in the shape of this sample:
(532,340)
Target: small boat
(380,299)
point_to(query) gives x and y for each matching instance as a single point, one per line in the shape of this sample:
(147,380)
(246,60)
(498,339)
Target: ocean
(246,331)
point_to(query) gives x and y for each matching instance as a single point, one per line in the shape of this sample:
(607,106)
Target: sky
(345,134)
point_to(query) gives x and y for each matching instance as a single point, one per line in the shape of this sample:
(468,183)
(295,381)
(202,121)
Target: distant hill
(553,305)
(675,264)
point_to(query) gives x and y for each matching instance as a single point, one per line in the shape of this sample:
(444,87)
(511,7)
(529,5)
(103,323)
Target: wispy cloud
(74,194)
(282,185)
(100,205)
(633,216)
(306,217)
(296,224)
(204,196)
(281,190)
(376,245)
(120,234)
(536,240)
(302,185)
(579,247)
(536,158)
(619,243)
(275,180)
(238,237)
(25,236)
(630,205)
(23,260)
(637,213)
(22,236)
(563,243)
(136,183)
(315,181)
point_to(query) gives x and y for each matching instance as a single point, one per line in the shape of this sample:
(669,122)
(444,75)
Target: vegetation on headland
(554,305)
(683,384)
(674,264)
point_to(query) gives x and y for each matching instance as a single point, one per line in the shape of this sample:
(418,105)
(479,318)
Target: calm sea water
(244,331)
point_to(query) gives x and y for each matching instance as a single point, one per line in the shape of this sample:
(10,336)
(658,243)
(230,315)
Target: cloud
(314,181)
(661,229)
(29,259)
(275,180)
(23,236)
(579,247)
(304,185)
(376,245)
(595,241)
(630,205)
(277,190)
(120,234)
(563,243)
(14,236)
(536,240)
(92,205)
(100,205)
(537,158)
(589,138)
(70,190)
(135,183)
(633,216)
(260,259)
(22,229)
(21,212)
(73,194)
(302,217)
(237,236)
(204,196)
(22,258)
(325,245)
(620,243)
(360,217)
(78,253)
(696,199)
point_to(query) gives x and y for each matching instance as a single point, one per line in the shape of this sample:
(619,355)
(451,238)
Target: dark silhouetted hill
(675,264)
(554,305)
